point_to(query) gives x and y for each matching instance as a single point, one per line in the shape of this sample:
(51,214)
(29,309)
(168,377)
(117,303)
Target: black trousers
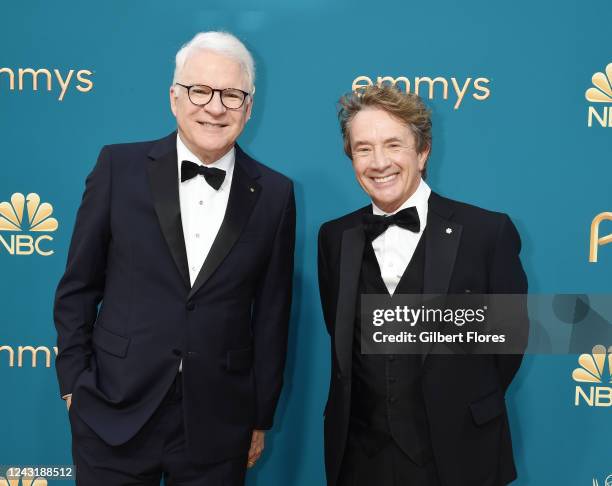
(390,466)
(157,451)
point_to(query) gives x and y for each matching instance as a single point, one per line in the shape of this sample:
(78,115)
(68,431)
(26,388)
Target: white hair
(222,43)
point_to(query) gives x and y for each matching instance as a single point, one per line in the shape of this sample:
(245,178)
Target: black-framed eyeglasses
(201,94)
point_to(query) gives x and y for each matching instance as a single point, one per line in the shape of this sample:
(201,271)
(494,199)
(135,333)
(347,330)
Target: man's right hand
(68,399)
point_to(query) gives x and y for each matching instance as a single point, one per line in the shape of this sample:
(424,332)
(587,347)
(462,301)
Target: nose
(379,160)
(214,106)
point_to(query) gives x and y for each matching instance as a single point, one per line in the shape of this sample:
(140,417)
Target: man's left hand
(257,447)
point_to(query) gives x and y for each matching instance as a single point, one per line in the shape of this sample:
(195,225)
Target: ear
(249,107)
(173,94)
(423,156)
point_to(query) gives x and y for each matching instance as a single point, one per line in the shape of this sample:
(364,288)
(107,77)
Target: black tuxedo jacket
(126,314)
(464,395)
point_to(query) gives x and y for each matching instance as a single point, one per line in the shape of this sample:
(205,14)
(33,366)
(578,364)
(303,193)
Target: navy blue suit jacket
(126,314)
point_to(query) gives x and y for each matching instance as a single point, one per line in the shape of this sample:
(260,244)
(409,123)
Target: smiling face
(385,160)
(209,131)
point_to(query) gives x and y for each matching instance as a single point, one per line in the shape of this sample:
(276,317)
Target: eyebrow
(387,140)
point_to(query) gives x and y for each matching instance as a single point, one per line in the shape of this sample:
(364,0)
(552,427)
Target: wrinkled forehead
(379,124)
(215,69)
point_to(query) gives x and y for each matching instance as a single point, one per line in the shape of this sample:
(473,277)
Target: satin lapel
(351,255)
(243,196)
(163,177)
(441,242)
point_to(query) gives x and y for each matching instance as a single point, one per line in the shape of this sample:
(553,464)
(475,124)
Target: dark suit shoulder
(479,224)
(140,147)
(265,174)
(128,155)
(341,224)
(272,174)
(128,147)
(466,214)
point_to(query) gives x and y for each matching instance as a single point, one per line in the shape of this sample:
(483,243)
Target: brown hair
(408,108)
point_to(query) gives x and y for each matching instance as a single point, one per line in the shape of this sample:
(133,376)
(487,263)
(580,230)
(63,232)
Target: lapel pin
(252,189)
(449,231)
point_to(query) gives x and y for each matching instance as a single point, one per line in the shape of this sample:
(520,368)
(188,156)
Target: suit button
(177,352)
(190,306)
(392,380)
(392,399)
(339,375)
(390,359)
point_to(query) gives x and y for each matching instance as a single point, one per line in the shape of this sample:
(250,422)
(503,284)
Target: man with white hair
(172,314)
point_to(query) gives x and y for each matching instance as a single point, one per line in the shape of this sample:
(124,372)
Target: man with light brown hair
(428,419)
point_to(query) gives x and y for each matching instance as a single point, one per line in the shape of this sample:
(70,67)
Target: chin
(213,148)
(385,204)
(386,200)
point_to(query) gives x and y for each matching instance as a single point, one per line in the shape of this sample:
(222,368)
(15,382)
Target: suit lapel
(244,193)
(163,178)
(442,242)
(351,255)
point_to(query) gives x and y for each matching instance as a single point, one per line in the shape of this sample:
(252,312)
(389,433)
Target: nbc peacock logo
(607,481)
(26,214)
(599,93)
(21,480)
(595,372)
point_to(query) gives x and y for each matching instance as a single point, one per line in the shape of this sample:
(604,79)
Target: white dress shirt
(396,246)
(202,207)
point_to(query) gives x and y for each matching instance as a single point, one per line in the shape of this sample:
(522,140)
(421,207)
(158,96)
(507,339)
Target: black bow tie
(213,176)
(376,225)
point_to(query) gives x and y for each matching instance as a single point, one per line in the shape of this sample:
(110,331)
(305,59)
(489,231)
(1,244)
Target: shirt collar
(226,162)
(419,199)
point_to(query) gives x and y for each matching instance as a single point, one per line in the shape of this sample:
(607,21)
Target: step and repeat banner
(521,94)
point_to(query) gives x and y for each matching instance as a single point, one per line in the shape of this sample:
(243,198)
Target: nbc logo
(592,370)
(14,222)
(20,480)
(600,92)
(607,481)
(596,240)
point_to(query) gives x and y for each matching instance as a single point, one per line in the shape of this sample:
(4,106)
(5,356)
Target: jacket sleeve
(271,311)
(508,277)
(81,289)
(324,279)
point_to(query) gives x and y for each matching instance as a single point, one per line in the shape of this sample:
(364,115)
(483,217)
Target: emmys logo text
(21,79)
(595,372)
(425,86)
(26,214)
(600,94)
(27,356)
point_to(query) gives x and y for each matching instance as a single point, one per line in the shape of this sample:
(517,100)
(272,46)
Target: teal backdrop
(521,144)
